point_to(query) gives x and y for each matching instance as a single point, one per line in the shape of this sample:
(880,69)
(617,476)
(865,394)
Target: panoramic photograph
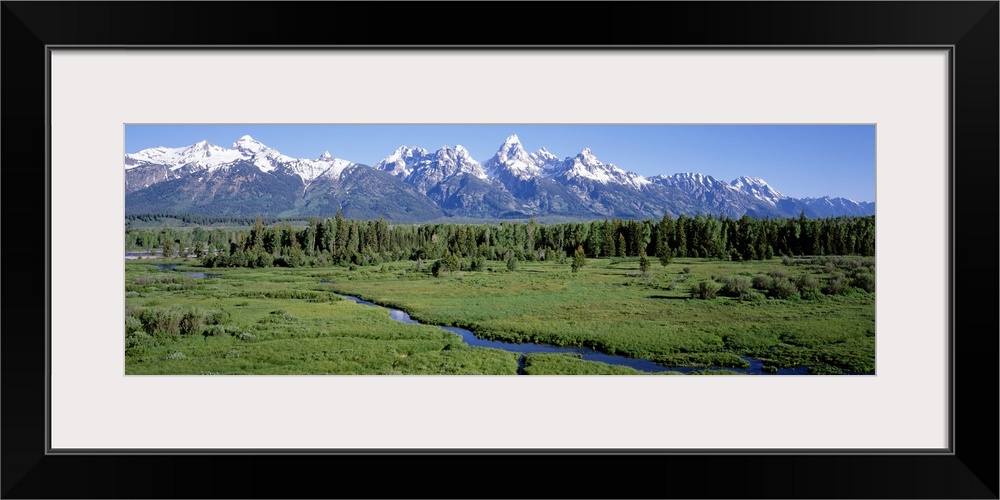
(513,249)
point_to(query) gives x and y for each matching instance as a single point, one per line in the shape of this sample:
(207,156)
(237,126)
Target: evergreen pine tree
(579,259)
(643,262)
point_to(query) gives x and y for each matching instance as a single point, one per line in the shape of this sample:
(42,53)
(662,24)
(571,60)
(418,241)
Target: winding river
(193,274)
(756,367)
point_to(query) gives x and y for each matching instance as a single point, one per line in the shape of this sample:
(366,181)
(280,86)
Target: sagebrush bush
(704,290)
(161,320)
(783,289)
(138,342)
(761,282)
(213,331)
(864,281)
(191,321)
(133,324)
(808,287)
(806,282)
(754,296)
(478,264)
(835,285)
(218,318)
(512,264)
(736,286)
(777,274)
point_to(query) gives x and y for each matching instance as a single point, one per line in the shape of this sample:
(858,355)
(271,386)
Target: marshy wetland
(806,315)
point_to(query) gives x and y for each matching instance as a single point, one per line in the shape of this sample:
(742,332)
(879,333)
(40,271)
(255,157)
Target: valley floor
(293,320)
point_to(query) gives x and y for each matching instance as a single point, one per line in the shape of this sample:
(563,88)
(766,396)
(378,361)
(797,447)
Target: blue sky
(797,160)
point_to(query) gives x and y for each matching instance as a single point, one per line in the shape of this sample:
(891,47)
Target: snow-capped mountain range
(414,184)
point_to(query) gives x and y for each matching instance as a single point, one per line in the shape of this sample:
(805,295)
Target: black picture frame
(970,470)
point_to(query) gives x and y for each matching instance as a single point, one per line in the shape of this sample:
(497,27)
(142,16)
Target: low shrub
(137,343)
(214,331)
(736,286)
(512,264)
(835,285)
(864,280)
(754,296)
(783,288)
(477,264)
(447,264)
(218,318)
(808,287)
(761,282)
(133,324)
(191,321)
(161,320)
(777,274)
(704,290)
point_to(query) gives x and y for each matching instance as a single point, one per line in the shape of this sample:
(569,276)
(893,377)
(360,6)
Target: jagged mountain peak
(511,160)
(406,152)
(249,144)
(758,188)
(545,160)
(692,175)
(586,165)
(746,179)
(402,161)
(512,181)
(694,182)
(455,160)
(202,154)
(448,153)
(511,149)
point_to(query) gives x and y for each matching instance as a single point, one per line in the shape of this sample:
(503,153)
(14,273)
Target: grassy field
(285,321)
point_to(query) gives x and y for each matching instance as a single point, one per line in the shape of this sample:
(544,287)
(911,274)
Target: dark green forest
(339,241)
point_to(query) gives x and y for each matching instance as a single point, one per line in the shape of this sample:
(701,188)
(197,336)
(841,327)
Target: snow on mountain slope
(202,154)
(265,158)
(586,165)
(759,189)
(402,162)
(206,156)
(511,159)
(451,161)
(694,183)
(427,170)
(545,160)
(510,181)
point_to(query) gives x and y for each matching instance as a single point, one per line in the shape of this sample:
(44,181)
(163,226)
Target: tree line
(339,241)
(209,220)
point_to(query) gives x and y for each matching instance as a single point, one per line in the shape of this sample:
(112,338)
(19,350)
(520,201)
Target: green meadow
(813,312)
